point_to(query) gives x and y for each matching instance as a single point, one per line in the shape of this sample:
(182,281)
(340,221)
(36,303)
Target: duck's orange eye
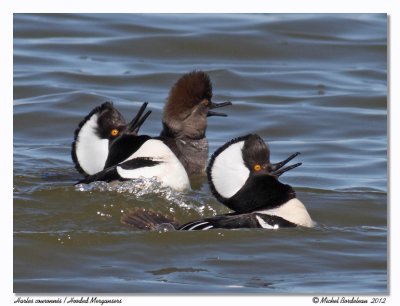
(114,132)
(257,167)
(206,102)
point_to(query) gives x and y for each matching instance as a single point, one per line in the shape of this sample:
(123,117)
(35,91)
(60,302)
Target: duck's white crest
(91,150)
(228,172)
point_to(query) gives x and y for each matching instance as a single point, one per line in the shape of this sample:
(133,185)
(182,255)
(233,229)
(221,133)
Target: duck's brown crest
(189,90)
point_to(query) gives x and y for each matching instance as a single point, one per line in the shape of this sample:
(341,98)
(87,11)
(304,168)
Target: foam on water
(143,188)
(139,187)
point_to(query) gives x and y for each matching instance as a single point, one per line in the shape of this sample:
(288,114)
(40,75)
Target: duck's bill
(283,170)
(277,169)
(218,105)
(277,166)
(134,126)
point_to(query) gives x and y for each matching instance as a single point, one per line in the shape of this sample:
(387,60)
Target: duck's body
(291,214)
(152,159)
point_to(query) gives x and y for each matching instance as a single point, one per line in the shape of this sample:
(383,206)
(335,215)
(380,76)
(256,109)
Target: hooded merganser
(185,120)
(242,178)
(108,149)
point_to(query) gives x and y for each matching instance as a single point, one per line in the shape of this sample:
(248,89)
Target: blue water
(313,83)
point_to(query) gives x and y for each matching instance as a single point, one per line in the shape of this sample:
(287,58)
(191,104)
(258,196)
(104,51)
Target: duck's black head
(242,177)
(188,105)
(98,132)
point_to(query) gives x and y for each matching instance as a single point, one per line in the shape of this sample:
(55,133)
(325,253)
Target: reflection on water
(309,83)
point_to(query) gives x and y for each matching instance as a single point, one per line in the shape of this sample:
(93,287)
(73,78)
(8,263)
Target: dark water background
(310,83)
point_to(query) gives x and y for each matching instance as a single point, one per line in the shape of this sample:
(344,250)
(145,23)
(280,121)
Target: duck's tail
(148,219)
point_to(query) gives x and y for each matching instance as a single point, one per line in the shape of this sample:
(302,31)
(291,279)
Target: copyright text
(348,300)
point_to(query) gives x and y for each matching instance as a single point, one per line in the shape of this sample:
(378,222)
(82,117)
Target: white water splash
(141,188)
